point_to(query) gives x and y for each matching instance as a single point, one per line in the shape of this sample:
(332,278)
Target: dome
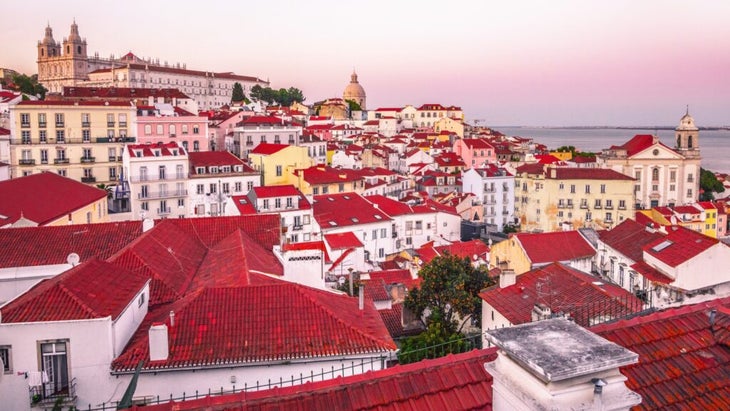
(74,36)
(48,39)
(354,91)
(687,122)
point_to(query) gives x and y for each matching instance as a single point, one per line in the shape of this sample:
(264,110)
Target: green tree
(449,292)
(237,94)
(353,105)
(433,343)
(296,95)
(29,85)
(709,184)
(256,92)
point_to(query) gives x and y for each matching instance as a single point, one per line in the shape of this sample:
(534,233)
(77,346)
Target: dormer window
(200,170)
(226,169)
(214,170)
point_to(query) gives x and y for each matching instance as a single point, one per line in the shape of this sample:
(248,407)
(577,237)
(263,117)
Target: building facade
(79,140)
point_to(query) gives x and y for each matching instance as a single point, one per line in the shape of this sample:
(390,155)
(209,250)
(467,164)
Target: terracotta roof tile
(94,289)
(628,238)
(328,210)
(454,382)
(562,289)
(313,323)
(679,245)
(555,246)
(267,149)
(341,241)
(44,197)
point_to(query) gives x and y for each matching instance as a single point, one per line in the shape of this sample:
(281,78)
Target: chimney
(540,312)
(507,278)
(556,364)
(361,298)
(159,343)
(172,318)
(147,224)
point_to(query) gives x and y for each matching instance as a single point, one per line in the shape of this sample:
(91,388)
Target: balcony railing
(25,125)
(60,161)
(162,194)
(48,395)
(164,211)
(86,159)
(42,124)
(60,124)
(115,139)
(122,124)
(88,179)
(26,161)
(166,177)
(297,227)
(110,124)
(85,124)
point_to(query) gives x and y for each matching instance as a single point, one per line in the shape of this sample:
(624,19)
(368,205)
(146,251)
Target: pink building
(475,152)
(163,123)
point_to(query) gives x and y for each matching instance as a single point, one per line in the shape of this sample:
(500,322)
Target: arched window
(43,52)
(68,49)
(78,49)
(655,174)
(689,141)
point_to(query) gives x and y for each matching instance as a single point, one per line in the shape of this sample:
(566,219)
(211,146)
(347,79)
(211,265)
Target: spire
(353,77)
(687,113)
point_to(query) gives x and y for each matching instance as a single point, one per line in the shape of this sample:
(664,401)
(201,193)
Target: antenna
(73,259)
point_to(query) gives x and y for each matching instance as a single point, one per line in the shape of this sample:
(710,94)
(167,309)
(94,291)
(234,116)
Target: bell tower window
(689,141)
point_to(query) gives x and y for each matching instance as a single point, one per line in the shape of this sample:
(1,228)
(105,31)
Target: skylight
(333,224)
(355,220)
(659,247)
(377,216)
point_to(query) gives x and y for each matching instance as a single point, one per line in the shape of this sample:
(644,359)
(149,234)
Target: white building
(263,129)
(664,176)
(495,188)
(158,180)
(216,176)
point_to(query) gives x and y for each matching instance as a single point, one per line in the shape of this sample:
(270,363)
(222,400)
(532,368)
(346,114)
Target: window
(305,219)
(249,185)
(122,120)
(60,136)
(110,120)
(196,145)
(181,202)
(689,192)
(375,234)
(147,129)
(603,189)
(383,232)
(588,189)
(277,202)
(59,120)
(172,130)
(655,174)
(597,203)
(342,187)
(41,120)
(42,136)
(162,170)
(226,188)
(54,363)
(237,186)
(5,359)
(112,173)
(159,129)
(289,202)
(44,156)
(690,178)
(572,188)
(621,204)
(673,176)
(213,188)
(266,204)
(315,190)
(609,204)
(196,129)
(144,191)
(278,171)
(561,186)
(381,252)
(24,119)
(25,136)
(419,225)
(609,217)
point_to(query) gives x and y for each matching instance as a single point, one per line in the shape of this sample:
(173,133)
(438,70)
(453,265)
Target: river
(714,144)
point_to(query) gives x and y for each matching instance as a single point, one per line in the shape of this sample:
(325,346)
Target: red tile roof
(628,238)
(145,150)
(328,210)
(463,249)
(267,149)
(215,158)
(121,92)
(342,241)
(572,173)
(33,246)
(276,191)
(4,132)
(684,357)
(313,323)
(454,382)
(393,320)
(651,273)
(327,175)
(556,246)
(44,198)
(396,276)
(174,70)
(94,289)
(679,245)
(75,103)
(637,144)
(562,289)
(533,168)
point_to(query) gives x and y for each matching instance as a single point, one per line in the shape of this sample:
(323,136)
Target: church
(665,176)
(68,64)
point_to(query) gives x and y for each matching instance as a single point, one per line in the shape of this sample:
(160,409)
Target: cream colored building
(278,162)
(355,92)
(664,176)
(80,140)
(554,198)
(451,125)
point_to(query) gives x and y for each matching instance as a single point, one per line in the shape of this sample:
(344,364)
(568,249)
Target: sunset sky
(507,63)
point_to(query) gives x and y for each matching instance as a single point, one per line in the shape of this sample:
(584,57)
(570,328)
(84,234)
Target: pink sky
(530,63)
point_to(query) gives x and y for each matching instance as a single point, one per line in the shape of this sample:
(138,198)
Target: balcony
(249,143)
(88,179)
(569,205)
(297,227)
(162,194)
(561,205)
(85,124)
(86,159)
(60,124)
(46,396)
(24,125)
(110,123)
(26,162)
(505,212)
(584,206)
(171,177)
(26,141)
(597,207)
(112,158)
(115,139)
(61,141)
(164,211)
(609,207)
(119,158)
(42,124)
(173,135)
(622,207)
(122,124)
(60,161)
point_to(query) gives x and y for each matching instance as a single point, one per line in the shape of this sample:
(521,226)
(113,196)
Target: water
(714,144)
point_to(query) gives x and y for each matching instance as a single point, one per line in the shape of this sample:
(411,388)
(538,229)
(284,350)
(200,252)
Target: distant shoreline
(611,127)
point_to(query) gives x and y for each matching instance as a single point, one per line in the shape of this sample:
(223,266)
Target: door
(55,367)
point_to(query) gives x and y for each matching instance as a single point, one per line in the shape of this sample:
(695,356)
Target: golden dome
(354,91)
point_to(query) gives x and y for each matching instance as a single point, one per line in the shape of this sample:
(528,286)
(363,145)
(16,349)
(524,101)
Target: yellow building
(47,199)
(523,252)
(451,125)
(80,140)
(321,179)
(562,155)
(277,162)
(701,217)
(549,198)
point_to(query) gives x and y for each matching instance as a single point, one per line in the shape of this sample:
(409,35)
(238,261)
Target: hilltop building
(355,92)
(68,63)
